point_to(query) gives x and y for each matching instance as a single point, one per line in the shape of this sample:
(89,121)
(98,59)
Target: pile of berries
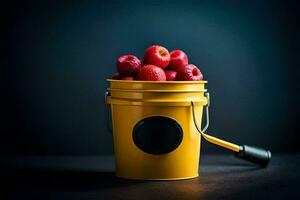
(158,65)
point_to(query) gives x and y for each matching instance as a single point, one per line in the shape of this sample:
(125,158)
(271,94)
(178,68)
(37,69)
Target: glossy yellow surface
(129,107)
(157,85)
(222,143)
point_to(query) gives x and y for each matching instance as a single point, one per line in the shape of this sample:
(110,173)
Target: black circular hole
(157,135)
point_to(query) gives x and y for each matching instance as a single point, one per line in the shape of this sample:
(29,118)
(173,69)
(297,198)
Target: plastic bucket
(153,130)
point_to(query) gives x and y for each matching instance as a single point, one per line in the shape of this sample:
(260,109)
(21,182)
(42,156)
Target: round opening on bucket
(157,135)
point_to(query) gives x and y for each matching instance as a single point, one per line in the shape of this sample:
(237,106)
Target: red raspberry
(151,73)
(128,65)
(189,73)
(170,75)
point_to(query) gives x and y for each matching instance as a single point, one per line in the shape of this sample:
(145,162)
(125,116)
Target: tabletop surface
(92,177)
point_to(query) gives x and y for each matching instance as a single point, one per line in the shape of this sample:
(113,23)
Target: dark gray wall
(59,54)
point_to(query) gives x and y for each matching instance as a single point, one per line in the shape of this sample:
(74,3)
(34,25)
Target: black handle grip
(256,155)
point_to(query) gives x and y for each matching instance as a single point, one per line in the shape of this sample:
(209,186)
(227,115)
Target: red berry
(178,59)
(170,75)
(151,73)
(157,55)
(128,78)
(116,76)
(128,65)
(189,73)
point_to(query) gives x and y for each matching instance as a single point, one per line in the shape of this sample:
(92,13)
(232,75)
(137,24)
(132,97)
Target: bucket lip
(156,82)
(136,102)
(158,91)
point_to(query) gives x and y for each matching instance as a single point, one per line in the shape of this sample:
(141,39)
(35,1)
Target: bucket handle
(206,112)
(253,154)
(207,137)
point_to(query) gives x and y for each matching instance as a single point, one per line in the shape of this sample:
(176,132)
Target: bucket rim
(121,101)
(156,82)
(159,91)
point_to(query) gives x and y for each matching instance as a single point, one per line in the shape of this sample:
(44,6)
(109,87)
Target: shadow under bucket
(155,137)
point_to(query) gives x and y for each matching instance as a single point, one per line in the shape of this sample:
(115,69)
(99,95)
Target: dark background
(57,55)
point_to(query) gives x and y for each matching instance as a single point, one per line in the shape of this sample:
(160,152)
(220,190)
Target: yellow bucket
(154,135)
